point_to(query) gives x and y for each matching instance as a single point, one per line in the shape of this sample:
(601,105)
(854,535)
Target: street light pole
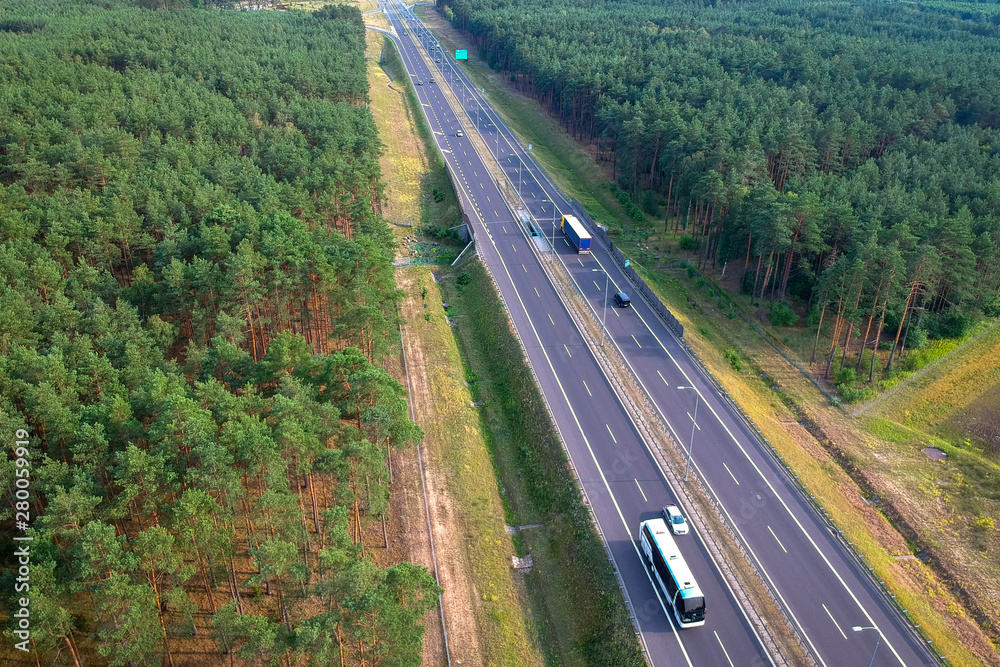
(694,425)
(553,224)
(607,283)
(858,628)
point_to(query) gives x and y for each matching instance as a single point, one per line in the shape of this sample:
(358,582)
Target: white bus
(671,574)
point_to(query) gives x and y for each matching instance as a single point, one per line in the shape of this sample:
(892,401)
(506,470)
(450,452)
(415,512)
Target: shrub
(711,293)
(812,317)
(700,282)
(721,303)
(916,338)
(692,272)
(688,242)
(951,324)
(464,279)
(852,394)
(844,376)
(649,202)
(635,212)
(782,316)
(733,357)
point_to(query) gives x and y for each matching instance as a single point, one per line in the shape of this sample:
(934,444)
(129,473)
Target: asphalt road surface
(822,587)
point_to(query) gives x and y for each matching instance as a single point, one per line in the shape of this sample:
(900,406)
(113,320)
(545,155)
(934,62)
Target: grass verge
(456,448)
(418,191)
(580,614)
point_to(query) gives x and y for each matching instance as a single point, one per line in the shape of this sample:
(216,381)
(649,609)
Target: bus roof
(672,556)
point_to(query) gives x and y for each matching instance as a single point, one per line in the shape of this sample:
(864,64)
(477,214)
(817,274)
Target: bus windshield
(692,605)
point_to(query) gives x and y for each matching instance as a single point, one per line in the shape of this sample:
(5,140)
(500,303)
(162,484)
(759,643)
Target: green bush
(916,338)
(700,283)
(812,317)
(782,316)
(688,242)
(852,393)
(951,324)
(733,357)
(844,376)
(692,272)
(722,303)
(464,279)
(649,202)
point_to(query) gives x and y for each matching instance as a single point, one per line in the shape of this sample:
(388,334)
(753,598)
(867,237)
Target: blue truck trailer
(577,235)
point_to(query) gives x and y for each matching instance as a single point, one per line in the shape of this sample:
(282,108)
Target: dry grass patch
(313,5)
(404,161)
(949,388)
(377,20)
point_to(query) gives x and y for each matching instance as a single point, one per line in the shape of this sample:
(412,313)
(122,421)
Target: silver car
(675,519)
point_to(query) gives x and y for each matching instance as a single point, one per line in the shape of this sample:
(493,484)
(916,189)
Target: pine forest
(840,156)
(197,297)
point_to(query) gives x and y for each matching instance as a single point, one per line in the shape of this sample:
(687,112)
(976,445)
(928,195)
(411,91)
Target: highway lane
(817,579)
(622,479)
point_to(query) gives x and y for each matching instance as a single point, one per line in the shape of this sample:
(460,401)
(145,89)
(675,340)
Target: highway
(822,588)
